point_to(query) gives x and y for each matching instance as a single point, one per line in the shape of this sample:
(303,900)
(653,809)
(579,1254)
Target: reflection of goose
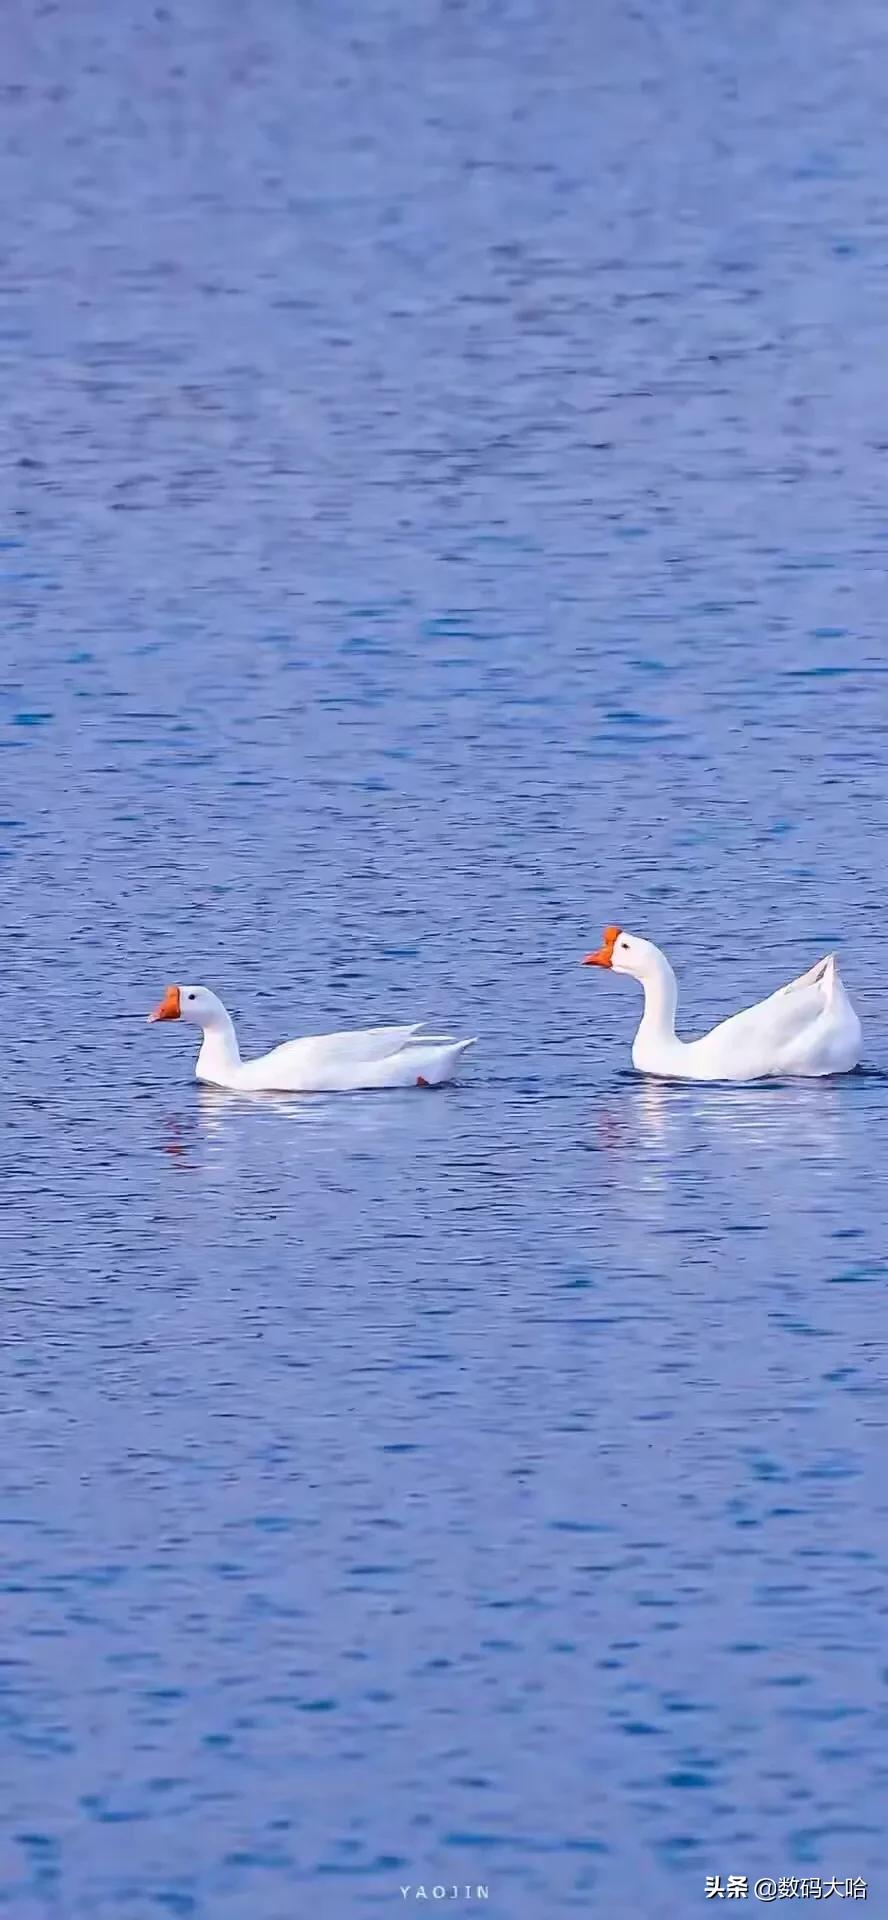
(332,1063)
(669,1119)
(807,1027)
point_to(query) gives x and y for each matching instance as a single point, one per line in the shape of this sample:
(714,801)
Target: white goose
(807,1027)
(332,1063)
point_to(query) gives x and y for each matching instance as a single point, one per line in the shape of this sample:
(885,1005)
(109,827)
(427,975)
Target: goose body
(327,1063)
(807,1027)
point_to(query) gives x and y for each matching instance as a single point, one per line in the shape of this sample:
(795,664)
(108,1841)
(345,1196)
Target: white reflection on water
(710,1154)
(792,1114)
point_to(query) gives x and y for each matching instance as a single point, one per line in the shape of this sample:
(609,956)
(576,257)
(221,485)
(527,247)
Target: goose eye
(192,996)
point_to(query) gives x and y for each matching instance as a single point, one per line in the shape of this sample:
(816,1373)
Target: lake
(444,457)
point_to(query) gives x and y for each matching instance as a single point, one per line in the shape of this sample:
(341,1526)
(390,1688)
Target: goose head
(626,953)
(195,1004)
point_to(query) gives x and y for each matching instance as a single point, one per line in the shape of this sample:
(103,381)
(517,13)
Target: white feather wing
(791,1028)
(327,1062)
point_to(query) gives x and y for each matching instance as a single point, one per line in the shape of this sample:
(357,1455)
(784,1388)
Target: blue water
(444,510)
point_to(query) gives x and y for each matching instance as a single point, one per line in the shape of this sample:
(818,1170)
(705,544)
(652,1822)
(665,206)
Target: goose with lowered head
(330,1063)
(808,1027)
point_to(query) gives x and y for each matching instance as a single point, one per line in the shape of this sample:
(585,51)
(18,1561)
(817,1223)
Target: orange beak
(169,1008)
(605,955)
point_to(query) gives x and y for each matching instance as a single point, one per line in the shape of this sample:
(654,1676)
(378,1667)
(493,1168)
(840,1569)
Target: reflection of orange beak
(170,1006)
(605,955)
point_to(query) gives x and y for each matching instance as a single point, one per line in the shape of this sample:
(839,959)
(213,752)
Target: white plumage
(326,1063)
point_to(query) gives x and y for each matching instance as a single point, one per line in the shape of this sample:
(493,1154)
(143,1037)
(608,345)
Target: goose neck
(660,999)
(220,1053)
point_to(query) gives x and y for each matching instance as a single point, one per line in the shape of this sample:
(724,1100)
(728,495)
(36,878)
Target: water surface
(444,511)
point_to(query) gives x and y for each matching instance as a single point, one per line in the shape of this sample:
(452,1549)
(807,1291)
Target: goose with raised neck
(807,1027)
